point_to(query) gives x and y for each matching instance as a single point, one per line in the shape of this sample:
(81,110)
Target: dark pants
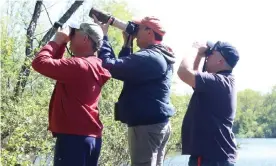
(195,161)
(77,150)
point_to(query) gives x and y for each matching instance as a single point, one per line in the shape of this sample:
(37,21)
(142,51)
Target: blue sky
(248,25)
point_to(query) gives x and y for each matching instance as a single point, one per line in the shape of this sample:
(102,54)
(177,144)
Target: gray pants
(147,144)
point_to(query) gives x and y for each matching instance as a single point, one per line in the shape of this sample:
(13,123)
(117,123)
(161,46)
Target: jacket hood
(166,52)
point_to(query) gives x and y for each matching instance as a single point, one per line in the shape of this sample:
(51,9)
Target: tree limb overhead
(25,69)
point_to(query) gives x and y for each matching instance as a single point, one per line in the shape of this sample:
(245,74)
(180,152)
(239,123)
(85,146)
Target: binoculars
(58,24)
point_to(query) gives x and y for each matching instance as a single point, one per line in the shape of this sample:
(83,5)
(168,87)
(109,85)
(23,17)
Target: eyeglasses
(72,32)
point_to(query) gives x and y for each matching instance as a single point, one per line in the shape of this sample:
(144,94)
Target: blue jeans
(77,150)
(193,161)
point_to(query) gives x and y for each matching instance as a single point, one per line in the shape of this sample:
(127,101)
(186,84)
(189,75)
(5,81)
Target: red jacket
(74,104)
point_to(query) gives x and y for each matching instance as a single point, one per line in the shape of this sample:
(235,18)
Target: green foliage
(25,120)
(256,114)
(24,129)
(180,103)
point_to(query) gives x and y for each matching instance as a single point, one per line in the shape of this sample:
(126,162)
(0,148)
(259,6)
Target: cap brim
(210,44)
(137,21)
(74,25)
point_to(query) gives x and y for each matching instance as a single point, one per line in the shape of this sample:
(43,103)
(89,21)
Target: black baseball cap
(229,52)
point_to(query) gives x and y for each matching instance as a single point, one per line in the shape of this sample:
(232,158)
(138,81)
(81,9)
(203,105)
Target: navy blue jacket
(147,76)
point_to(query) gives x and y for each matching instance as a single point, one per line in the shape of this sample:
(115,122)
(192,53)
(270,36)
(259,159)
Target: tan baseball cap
(93,30)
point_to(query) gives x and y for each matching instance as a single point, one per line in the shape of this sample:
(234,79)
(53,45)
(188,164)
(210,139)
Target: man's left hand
(103,26)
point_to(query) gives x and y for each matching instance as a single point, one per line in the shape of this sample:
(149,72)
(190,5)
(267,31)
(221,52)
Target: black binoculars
(58,24)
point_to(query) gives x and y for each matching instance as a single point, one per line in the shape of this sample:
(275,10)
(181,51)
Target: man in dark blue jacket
(144,104)
(207,126)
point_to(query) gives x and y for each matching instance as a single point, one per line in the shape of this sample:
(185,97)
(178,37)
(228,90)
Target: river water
(253,152)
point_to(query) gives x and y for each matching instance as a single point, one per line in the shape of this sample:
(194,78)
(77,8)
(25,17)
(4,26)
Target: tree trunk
(29,45)
(30,52)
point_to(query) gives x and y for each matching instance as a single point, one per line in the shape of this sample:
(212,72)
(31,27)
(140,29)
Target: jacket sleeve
(138,67)
(50,63)
(125,51)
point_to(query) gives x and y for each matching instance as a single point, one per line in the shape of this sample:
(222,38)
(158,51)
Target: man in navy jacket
(144,104)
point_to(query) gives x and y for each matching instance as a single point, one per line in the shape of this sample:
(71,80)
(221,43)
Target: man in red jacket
(73,111)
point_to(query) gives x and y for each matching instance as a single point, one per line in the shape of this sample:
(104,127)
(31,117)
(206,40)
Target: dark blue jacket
(147,76)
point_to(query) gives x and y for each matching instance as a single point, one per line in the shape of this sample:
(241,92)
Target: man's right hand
(201,48)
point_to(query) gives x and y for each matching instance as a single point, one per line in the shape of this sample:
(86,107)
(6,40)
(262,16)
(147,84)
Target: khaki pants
(147,144)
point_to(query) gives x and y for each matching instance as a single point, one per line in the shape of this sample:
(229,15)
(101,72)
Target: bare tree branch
(29,44)
(25,69)
(62,20)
